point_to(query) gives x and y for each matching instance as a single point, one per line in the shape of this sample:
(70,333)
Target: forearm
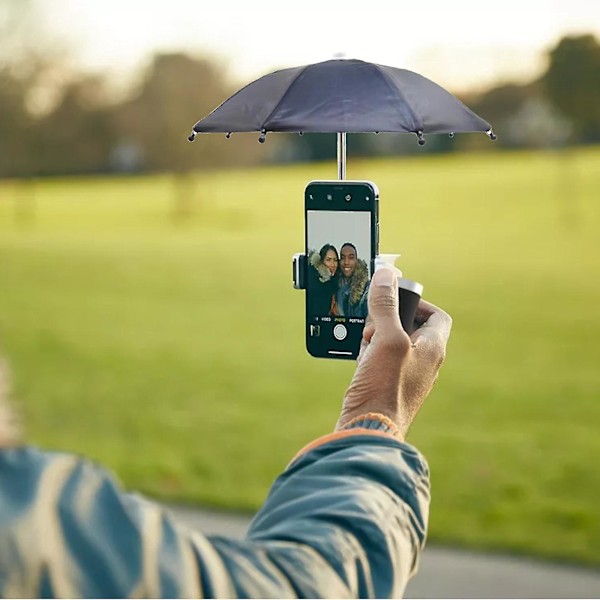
(357,502)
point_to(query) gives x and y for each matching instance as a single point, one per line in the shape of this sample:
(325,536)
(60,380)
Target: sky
(460,44)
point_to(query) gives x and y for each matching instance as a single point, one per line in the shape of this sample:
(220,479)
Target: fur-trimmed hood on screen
(314,259)
(359,281)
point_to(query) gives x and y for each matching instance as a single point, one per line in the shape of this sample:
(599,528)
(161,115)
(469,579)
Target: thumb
(383,299)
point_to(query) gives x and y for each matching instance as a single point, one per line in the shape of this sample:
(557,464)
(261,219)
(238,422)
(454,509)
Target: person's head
(329,257)
(348,259)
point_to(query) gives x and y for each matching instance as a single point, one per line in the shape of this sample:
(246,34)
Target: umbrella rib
(394,89)
(289,87)
(240,91)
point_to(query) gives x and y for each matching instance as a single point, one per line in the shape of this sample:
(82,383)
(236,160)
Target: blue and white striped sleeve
(347,518)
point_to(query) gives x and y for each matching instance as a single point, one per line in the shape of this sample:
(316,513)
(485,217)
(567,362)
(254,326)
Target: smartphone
(341,243)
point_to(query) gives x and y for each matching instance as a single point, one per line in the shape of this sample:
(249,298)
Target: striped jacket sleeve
(347,518)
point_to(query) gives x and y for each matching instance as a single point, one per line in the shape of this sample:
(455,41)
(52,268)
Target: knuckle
(396,342)
(385,298)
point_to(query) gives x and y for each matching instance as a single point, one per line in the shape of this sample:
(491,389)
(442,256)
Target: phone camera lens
(348,197)
(329,197)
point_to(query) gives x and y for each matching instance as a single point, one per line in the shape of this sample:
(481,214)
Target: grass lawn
(172,349)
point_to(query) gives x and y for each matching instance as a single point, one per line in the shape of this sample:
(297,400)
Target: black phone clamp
(299,271)
(409,291)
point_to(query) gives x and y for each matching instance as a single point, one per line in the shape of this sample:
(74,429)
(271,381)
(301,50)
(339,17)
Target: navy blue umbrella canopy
(342,95)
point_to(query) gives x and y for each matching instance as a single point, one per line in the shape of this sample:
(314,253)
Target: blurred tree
(502,101)
(536,123)
(15,125)
(498,106)
(176,91)
(78,135)
(572,82)
(32,72)
(14,118)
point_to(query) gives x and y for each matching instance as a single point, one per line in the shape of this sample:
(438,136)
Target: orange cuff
(341,434)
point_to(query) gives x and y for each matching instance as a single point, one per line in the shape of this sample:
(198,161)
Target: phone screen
(341,244)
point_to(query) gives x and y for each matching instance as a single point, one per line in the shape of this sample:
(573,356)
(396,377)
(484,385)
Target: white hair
(9,429)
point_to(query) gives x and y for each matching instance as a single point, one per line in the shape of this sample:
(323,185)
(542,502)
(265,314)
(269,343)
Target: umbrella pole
(341,155)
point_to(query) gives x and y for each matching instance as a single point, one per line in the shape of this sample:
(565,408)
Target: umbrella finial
(490,133)
(262,137)
(421,137)
(228,134)
(451,134)
(192,136)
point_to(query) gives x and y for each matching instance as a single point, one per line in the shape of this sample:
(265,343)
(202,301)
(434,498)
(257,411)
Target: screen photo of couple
(338,271)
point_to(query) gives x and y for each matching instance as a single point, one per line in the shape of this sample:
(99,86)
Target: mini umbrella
(342,96)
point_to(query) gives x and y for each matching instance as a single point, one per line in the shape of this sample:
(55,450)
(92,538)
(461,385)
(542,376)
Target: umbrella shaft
(341,155)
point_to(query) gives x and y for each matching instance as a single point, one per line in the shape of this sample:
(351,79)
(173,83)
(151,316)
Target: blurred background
(146,304)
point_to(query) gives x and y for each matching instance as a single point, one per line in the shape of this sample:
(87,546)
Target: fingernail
(385,277)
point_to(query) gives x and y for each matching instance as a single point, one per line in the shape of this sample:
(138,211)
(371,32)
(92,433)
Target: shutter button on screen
(340,332)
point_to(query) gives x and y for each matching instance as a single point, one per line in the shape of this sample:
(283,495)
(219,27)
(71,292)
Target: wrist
(376,422)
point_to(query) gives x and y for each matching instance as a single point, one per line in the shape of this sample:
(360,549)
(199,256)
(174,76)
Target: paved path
(448,573)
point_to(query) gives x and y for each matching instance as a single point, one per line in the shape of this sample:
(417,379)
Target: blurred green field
(172,350)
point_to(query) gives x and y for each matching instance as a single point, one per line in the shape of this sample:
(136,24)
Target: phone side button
(340,332)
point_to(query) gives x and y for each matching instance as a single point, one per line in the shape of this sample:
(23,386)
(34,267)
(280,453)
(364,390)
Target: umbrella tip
(228,134)
(192,136)
(262,137)
(420,137)
(490,133)
(451,134)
